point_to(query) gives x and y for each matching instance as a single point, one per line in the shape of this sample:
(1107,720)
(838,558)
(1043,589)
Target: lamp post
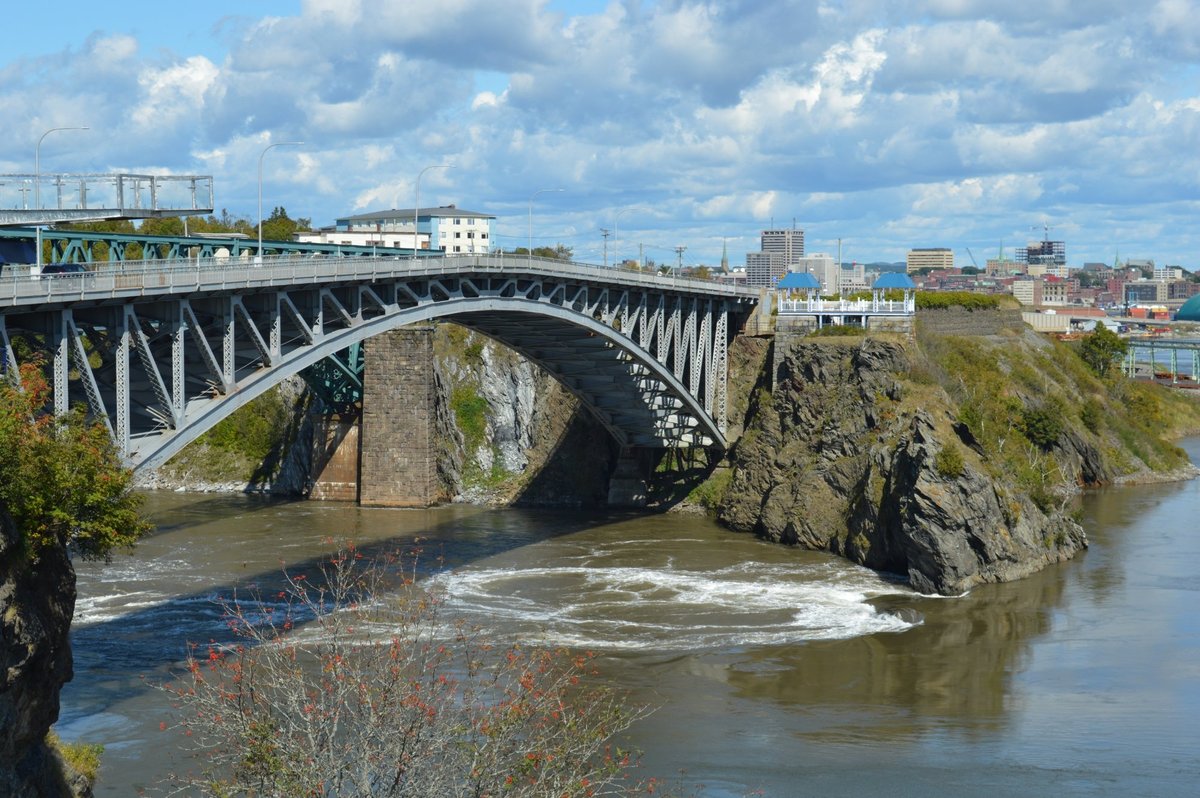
(37,185)
(531,197)
(417,203)
(37,164)
(258,256)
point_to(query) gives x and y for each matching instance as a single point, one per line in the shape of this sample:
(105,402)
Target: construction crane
(974,262)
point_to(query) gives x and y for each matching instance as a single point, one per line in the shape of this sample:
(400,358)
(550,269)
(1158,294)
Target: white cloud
(884,122)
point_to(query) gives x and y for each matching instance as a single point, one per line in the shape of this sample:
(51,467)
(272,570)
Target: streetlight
(37,184)
(417,204)
(258,257)
(531,196)
(37,164)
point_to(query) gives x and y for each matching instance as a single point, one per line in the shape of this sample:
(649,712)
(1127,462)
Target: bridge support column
(398,466)
(335,454)
(629,484)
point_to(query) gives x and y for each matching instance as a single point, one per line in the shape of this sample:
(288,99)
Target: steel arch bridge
(160,352)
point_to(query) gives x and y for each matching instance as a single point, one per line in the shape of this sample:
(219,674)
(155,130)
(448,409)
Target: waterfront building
(1139,292)
(453,230)
(929,258)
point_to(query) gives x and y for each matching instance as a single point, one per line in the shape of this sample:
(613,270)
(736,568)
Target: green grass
(83,758)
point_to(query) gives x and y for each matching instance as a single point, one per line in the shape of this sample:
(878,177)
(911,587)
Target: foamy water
(595,599)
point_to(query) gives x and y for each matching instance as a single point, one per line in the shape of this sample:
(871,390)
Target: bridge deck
(129,280)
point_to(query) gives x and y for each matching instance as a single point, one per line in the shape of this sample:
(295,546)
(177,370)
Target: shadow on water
(148,640)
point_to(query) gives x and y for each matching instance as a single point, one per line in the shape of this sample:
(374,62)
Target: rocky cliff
(35,662)
(844,452)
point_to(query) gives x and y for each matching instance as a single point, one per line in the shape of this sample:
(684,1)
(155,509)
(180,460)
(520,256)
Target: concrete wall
(398,461)
(957,321)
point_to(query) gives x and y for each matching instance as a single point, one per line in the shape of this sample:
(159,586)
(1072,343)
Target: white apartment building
(453,230)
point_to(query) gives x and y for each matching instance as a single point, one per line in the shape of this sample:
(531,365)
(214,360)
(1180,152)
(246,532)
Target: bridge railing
(21,285)
(899,307)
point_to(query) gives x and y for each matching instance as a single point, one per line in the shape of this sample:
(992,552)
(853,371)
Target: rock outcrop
(836,457)
(36,603)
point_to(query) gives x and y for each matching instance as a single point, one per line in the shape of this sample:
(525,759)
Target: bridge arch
(515,323)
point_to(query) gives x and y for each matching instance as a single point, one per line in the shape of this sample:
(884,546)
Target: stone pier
(398,466)
(334,457)
(628,485)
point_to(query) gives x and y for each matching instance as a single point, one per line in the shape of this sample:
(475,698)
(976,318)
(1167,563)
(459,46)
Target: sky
(885,124)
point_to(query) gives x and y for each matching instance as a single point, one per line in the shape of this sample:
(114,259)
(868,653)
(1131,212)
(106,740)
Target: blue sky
(889,124)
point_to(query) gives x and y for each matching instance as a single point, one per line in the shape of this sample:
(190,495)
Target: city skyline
(888,125)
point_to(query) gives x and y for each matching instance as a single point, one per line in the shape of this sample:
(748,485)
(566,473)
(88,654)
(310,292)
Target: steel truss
(161,366)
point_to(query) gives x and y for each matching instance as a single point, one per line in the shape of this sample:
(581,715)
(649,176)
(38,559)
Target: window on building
(457,234)
(458,249)
(483,235)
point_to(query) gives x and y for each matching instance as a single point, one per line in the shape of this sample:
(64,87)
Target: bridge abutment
(398,463)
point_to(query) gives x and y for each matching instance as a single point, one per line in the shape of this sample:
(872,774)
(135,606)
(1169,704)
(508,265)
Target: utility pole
(604,231)
(679,251)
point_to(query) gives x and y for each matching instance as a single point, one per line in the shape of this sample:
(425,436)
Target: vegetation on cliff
(61,480)
(62,488)
(950,458)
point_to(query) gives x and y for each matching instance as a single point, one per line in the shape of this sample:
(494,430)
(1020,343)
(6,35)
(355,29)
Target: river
(772,669)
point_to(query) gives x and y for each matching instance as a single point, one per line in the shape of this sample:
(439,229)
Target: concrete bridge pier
(629,484)
(398,461)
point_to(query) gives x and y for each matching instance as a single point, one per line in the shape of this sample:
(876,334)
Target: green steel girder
(338,379)
(79,246)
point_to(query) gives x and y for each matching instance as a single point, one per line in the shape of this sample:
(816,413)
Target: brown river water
(773,669)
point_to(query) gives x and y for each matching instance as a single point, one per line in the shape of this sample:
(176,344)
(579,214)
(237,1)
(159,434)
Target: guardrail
(20,285)
(897,307)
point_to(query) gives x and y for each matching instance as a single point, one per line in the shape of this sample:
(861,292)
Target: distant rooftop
(798,280)
(400,214)
(894,280)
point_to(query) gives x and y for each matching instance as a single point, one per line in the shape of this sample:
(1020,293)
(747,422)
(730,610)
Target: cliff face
(845,454)
(36,603)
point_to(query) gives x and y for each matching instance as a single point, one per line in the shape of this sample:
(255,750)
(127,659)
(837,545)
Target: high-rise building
(763,269)
(929,258)
(780,250)
(1049,253)
(788,244)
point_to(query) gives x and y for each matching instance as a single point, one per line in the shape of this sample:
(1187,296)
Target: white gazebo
(799,294)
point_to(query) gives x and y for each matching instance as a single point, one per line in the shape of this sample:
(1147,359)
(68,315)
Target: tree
(557,252)
(1101,349)
(353,682)
(61,478)
(280,227)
